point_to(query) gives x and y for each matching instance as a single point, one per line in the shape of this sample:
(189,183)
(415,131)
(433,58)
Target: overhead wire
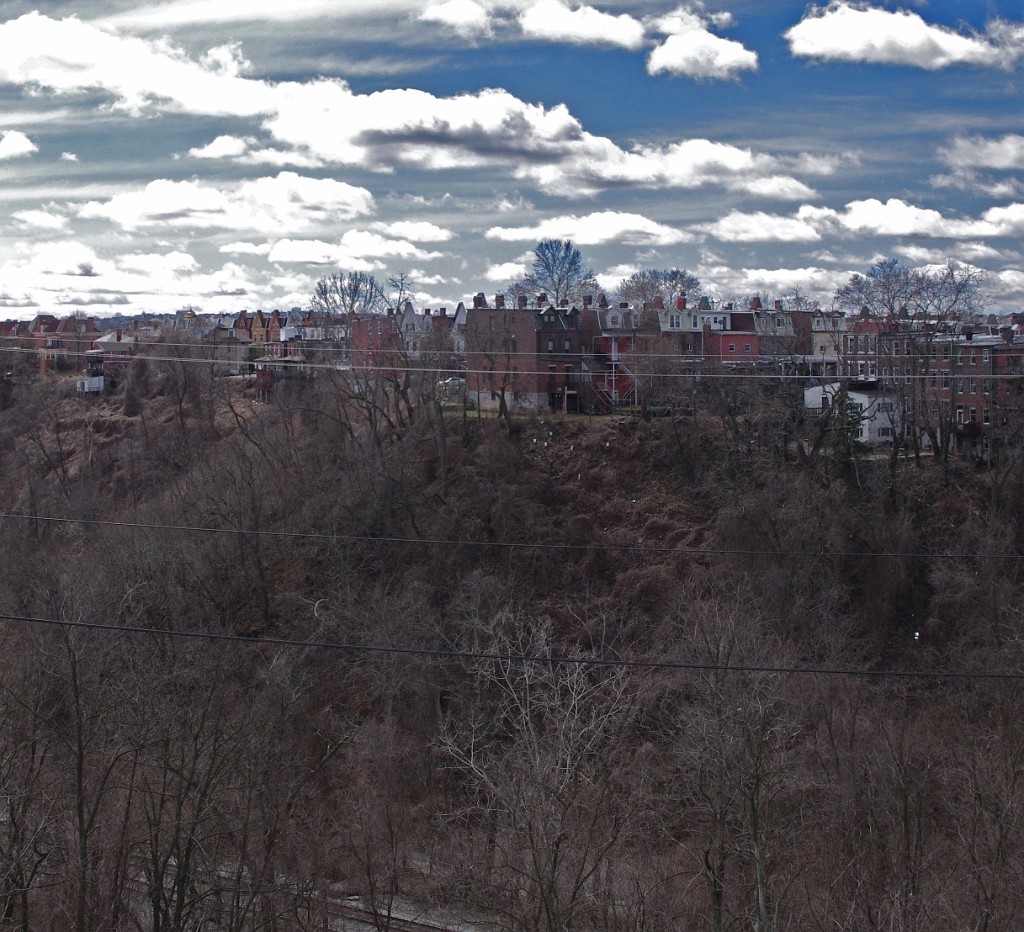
(334,537)
(486,656)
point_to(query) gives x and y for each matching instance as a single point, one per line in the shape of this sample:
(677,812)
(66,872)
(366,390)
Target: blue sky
(224,155)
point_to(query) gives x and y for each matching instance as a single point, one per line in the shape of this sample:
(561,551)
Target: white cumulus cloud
(223,147)
(691,49)
(739,227)
(14,144)
(465,17)
(287,201)
(858,32)
(607,226)
(1002,153)
(556,21)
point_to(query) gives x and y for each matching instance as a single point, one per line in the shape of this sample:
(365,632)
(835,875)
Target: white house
(876,411)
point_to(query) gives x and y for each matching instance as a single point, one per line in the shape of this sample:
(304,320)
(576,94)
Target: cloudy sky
(226,155)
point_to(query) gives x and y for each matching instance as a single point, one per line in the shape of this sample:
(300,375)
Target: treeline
(568,698)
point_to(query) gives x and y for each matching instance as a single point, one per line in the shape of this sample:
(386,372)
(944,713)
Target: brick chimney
(444,311)
(778,305)
(479,300)
(588,299)
(542,299)
(659,303)
(522,302)
(681,303)
(499,301)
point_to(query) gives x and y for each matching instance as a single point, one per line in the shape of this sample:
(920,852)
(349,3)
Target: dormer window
(614,321)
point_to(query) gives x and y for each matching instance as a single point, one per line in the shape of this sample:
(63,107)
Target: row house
(957,384)
(521,357)
(617,345)
(376,345)
(828,342)
(61,343)
(435,335)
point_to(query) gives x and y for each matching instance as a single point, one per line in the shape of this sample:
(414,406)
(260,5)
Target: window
(984,357)
(973,413)
(933,378)
(960,414)
(568,345)
(973,385)
(732,347)
(945,378)
(675,321)
(551,346)
(746,347)
(986,416)
(986,386)
(945,351)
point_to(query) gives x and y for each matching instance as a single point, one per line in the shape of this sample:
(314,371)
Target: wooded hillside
(550,675)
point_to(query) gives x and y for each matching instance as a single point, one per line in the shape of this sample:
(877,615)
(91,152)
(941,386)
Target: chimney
(588,299)
(444,310)
(1007,334)
(681,303)
(778,305)
(968,333)
(623,305)
(479,300)
(499,301)
(119,334)
(647,305)
(522,302)
(564,302)
(391,311)
(426,312)
(659,303)
(755,303)
(542,299)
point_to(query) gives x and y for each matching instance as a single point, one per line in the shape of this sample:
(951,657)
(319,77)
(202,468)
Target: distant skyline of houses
(522,353)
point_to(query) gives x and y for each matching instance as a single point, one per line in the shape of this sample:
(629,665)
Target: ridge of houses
(526,353)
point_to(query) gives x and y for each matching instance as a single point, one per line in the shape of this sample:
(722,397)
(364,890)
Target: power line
(506,358)
(553,659)
(510,545)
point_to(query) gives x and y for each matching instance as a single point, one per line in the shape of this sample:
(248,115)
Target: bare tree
(558,271)
(535,754)
(644,286)
(344,293)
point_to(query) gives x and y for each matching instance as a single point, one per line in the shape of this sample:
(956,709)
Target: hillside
(442,754)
